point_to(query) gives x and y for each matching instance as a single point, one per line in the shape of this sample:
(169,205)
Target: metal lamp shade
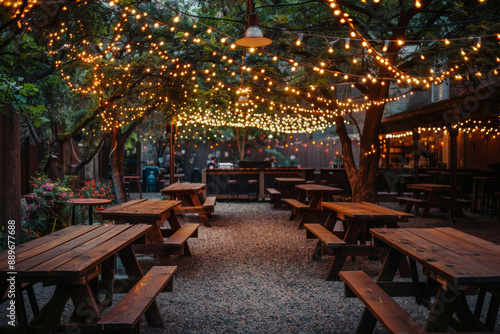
(253,35)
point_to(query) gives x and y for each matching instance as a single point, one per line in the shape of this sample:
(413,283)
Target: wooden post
(172,153)
(10,170)
(416,155)
(388,161)
(453,174)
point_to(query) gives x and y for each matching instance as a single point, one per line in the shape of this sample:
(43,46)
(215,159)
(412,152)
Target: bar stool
(233,189)
(252,188)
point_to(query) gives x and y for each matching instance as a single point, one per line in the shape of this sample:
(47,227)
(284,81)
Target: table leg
(86,309)
(22,319)
(331,221)
(339,260)
(51,313)
(173,221)
(196,202)
(491,317)
(390,266)
(130,263)
(73,215)
(441,311)
(91,216)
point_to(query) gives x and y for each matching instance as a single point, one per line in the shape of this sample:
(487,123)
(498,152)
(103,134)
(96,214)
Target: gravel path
(251,272)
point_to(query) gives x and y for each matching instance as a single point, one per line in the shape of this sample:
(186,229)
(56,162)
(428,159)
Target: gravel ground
(251,272)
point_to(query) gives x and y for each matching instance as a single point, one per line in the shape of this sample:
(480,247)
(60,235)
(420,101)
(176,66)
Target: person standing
(212,164)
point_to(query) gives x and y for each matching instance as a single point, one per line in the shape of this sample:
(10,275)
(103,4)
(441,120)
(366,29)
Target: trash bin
(150,179)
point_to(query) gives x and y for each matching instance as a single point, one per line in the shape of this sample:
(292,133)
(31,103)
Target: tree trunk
(241,142)
(364,178)
(10,170)
(116,157)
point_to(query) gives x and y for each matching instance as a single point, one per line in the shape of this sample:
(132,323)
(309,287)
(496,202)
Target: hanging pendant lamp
(253,35)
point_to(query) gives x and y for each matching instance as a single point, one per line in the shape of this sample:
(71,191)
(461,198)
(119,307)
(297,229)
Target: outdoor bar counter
(217,179)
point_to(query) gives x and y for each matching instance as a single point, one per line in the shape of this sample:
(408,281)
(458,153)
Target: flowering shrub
(48,208)
(102,189)
(98,189)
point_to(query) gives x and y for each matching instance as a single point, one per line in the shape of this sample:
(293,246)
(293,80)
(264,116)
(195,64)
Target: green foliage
(17,93)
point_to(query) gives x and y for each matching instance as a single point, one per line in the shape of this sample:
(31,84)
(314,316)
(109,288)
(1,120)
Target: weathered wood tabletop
(455,261)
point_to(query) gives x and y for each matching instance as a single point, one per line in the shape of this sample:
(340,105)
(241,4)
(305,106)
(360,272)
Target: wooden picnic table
(454,262)
(285,187)
(90,202)
(315,194)
(80,261)
(479,185)
(356,219)
(155,213)
(136,179)
(189,194)
(432,199)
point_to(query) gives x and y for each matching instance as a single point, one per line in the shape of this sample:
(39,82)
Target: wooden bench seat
(180,237)
(209,202)
(275,196)
(125,316)
(327,238)
(463,203)
(410,201)
(298,207)
(207,207)
(174,243)
(380,305)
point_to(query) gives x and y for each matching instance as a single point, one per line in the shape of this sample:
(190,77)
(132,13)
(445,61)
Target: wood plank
(390,315)
(325,236)
(48,242)
(193,209)
(123,205)
(49,261)
(103,250)
(129,310)
(446,263)
(210,201)
(67,251)
(295,203)
(273,191)
(181,235)
(68,231)
(146,211)
(387,211)
(469,238)
(462,246)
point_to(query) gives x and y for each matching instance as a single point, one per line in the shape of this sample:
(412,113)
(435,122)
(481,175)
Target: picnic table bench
(275,195)
(140,300)
(353,240)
